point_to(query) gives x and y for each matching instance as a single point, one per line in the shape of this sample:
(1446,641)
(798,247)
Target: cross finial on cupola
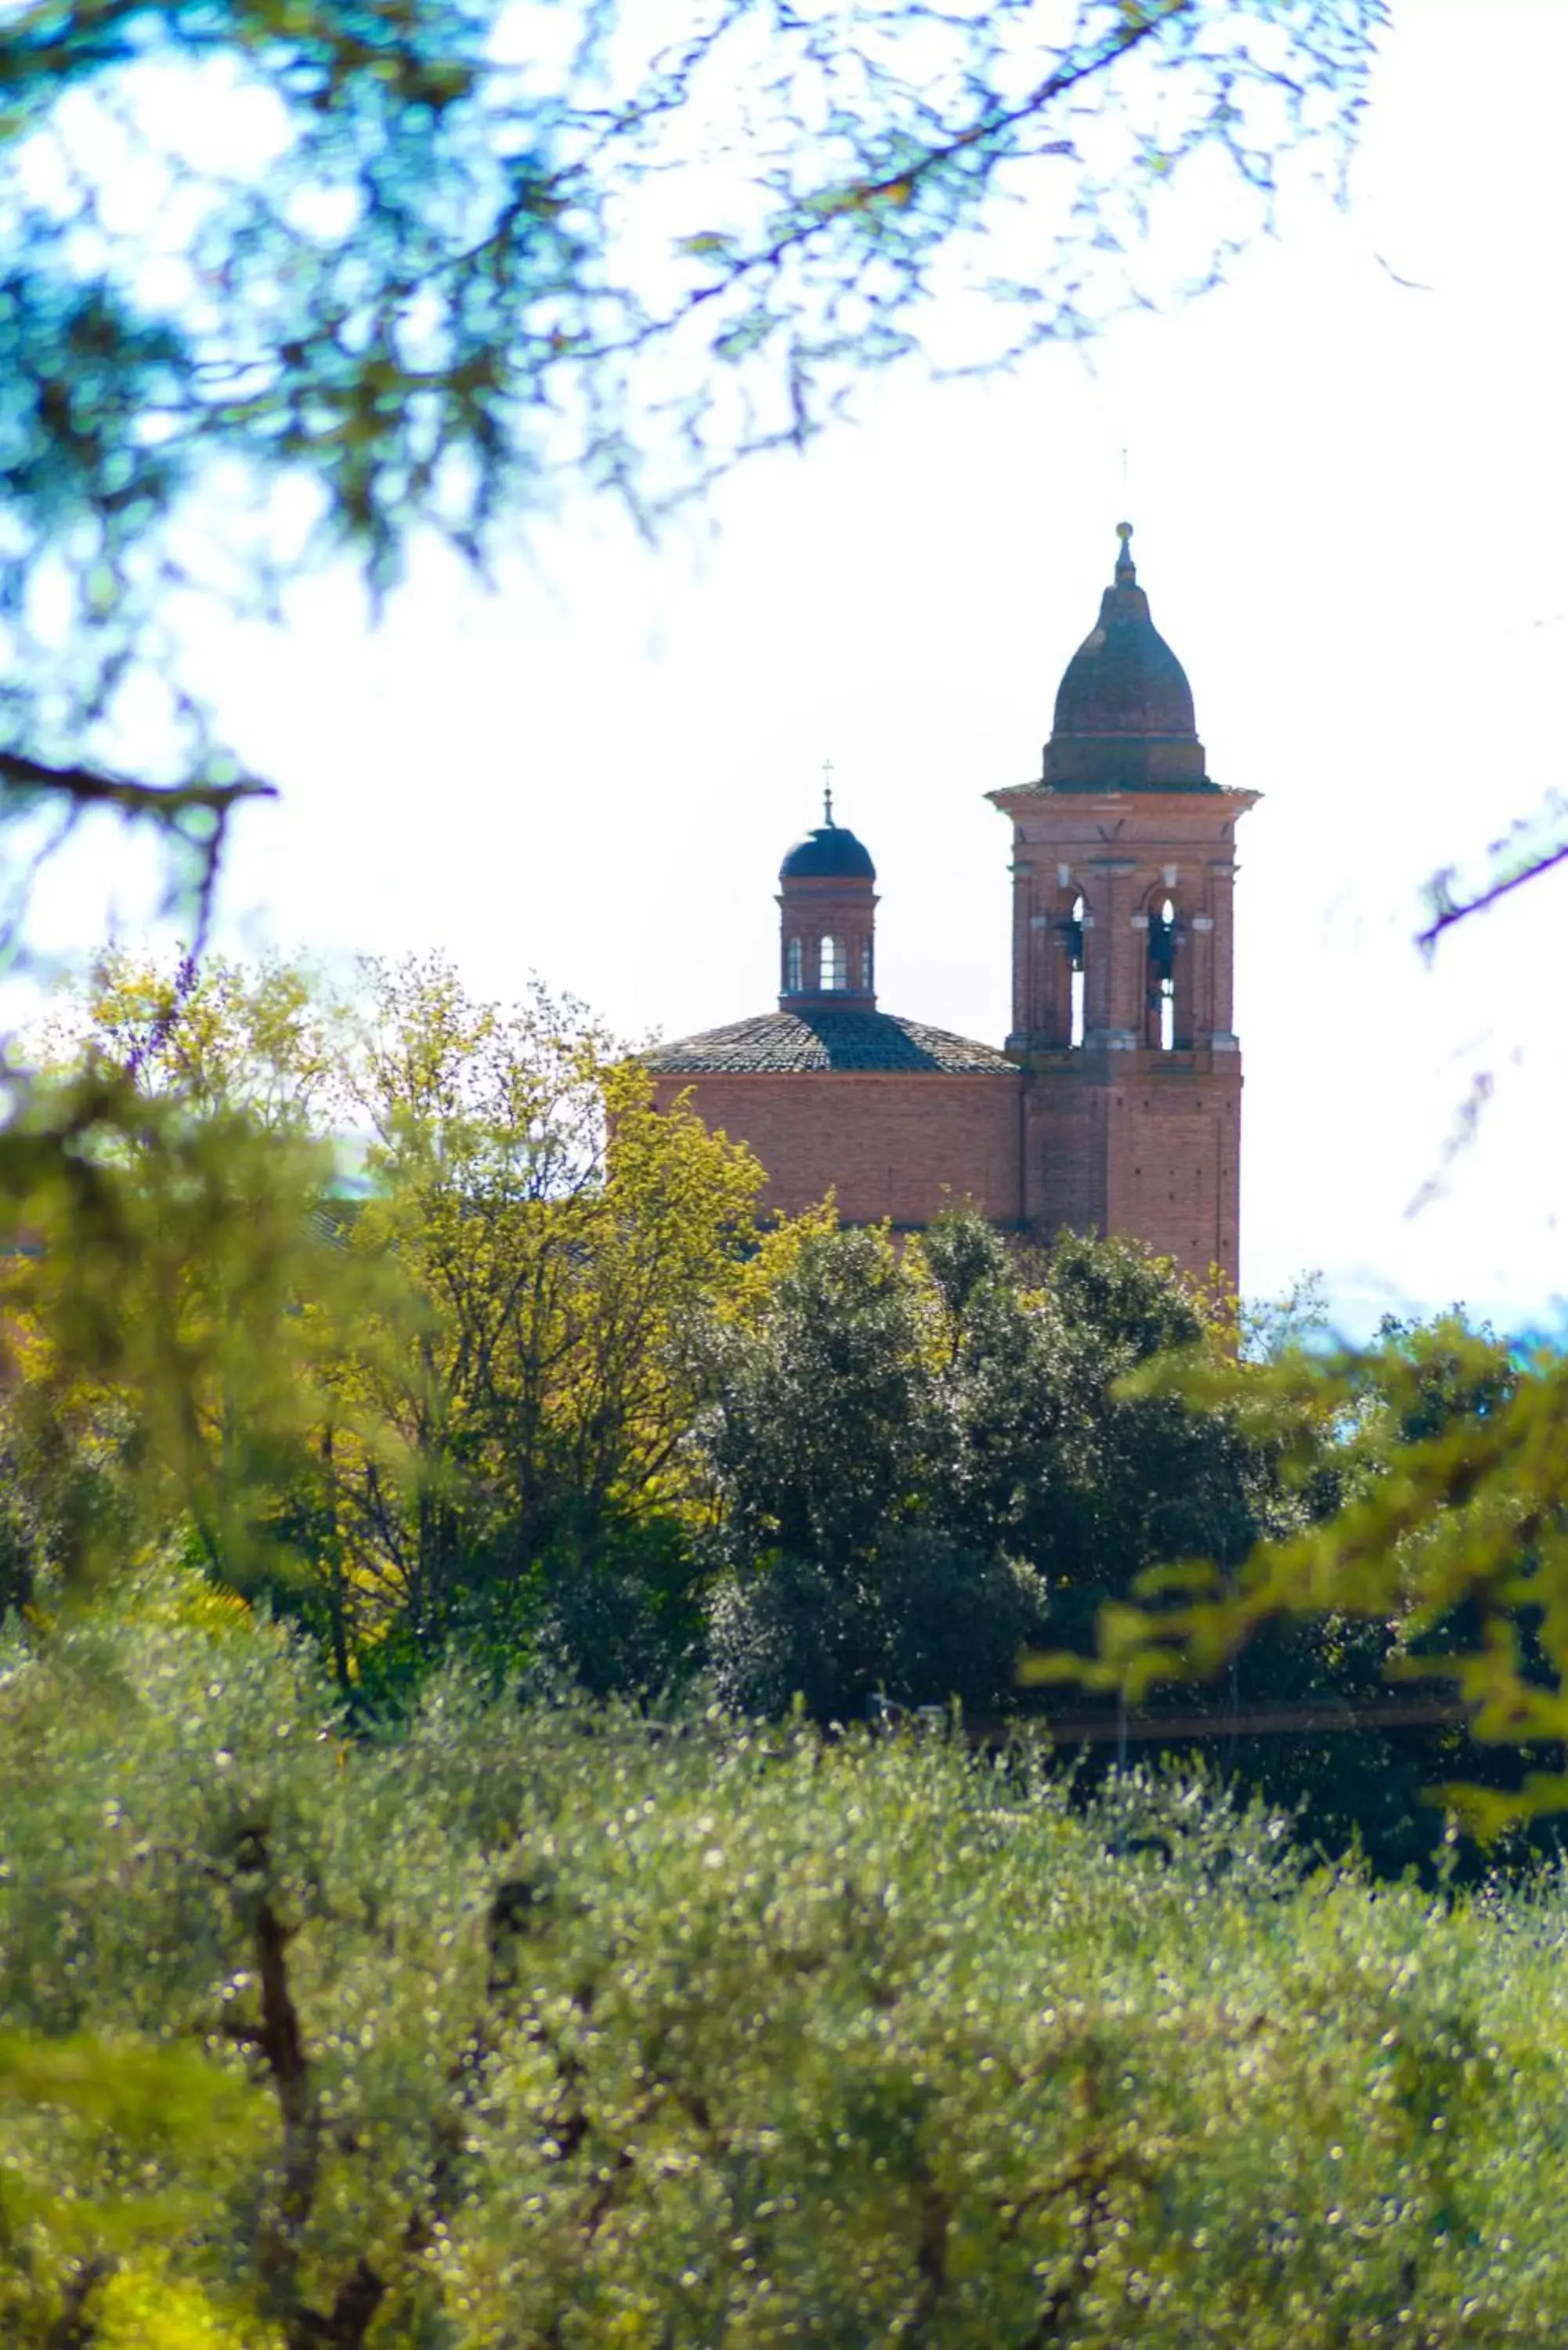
(1127,570)
(828,790)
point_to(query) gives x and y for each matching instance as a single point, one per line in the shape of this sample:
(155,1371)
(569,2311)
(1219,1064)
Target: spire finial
(827,792)
(1126,571)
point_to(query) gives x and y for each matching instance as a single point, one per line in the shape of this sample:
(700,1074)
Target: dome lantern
(827,907)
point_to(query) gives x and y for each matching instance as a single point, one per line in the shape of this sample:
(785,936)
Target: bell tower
(1124,865)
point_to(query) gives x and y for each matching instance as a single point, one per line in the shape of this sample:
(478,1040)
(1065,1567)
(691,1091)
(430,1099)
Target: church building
(1114,1104)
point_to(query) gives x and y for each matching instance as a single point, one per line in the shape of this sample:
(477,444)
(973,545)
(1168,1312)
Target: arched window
(1075,963)
(866,968)
(834,967)
(795,968)
(1162,977)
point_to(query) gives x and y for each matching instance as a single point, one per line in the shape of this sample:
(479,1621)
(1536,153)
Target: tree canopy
(368,1972)
(381,1296)
(921,1457)
(522,1375)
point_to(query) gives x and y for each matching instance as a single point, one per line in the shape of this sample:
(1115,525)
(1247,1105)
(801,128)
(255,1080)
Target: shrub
(923,1622)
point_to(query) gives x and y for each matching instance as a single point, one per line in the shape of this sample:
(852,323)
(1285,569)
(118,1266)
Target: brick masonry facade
(1116,1105)
(888,1144)
(1153,1151)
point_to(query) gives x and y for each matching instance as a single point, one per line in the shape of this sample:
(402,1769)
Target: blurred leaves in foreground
(283,282)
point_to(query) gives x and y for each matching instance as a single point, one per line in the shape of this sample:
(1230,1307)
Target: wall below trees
(1153,1157)
(892,1145)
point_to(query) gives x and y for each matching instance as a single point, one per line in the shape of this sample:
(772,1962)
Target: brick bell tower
(1124,862)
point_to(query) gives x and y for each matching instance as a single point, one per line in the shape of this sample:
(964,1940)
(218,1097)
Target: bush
(537,2027)
(922,1623)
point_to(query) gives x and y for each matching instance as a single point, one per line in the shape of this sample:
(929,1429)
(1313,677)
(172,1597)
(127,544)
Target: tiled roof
(804,1041)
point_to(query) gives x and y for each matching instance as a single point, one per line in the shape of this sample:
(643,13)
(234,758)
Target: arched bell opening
(1159,995)
(1077,931)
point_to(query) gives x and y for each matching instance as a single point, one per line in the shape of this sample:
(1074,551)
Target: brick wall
(1065,1164)
(1175,1168)
(1147,1146)
(1153,1157)
(897,1144)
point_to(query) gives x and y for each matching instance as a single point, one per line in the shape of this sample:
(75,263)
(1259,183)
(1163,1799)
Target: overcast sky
(1349,496)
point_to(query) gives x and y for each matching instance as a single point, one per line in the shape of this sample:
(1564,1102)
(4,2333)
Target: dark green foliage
(795,1631)
(1137,1475)
(1422,1549)
(546,2029)
(922,1621)
(824,1422)
(909,1454)
(627,1621)
(1425,1378)
(859,1544)
(923,1463)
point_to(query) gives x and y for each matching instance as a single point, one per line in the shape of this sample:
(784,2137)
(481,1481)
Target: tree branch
(196,815)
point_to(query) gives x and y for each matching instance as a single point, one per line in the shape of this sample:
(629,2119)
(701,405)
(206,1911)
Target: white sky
(1348,497)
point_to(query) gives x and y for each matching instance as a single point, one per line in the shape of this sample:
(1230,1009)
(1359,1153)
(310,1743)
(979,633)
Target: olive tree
(553,2028)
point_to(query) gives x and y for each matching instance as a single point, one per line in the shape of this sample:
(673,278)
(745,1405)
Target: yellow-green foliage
(605,2034)
(399,1404)
(146,2307)
(553,1230)
(217,1034)
(154,1307)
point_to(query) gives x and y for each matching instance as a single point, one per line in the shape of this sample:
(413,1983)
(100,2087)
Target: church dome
(831,853)
(1123,718)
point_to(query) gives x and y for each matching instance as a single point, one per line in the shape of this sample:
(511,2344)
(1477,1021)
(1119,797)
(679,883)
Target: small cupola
(1123,718)
(827,907)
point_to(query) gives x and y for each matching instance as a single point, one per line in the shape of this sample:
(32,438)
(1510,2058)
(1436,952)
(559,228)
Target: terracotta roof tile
(805,1041)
